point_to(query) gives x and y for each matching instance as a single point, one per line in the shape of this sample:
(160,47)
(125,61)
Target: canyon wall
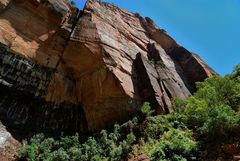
(65,69)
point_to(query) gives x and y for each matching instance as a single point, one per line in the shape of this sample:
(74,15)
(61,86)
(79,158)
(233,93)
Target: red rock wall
(104,59)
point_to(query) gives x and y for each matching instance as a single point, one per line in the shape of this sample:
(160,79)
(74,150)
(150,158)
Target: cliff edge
(65,69)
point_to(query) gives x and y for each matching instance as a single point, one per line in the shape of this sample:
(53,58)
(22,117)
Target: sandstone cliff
(65,69)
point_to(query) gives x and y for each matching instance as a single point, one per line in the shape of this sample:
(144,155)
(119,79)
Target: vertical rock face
(71,70)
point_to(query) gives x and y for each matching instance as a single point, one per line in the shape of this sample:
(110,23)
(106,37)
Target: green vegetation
(174,144)
(166,137)
(211,113)
(146,110)
(157,63)
(106,146)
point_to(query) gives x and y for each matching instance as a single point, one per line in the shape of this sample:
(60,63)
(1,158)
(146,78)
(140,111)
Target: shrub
(146,109)
(196,112)
(179,104)
(217,91)
(175,144)
(105,146)
(154,127)
(210,110)
(236,71)
(58,155)
(213,111)
(211,120)
(221,119)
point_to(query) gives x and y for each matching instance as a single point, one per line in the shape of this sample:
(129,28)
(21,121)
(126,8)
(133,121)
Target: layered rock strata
(65,69)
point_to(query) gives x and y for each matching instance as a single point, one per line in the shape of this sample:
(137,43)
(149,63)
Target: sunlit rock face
(64,69)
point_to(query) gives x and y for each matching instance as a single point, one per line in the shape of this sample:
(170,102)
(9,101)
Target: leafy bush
(236,71)
(210,121)
(175,144)
(196,112)
(179,104)
(166,137)
(213,111)
(146,109)
(217,91)
(154,127)
(104,147)
(210,111)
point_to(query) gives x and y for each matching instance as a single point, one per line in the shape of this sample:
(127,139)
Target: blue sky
(210,28)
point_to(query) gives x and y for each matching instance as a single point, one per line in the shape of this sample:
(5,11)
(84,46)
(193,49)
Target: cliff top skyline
(208,28)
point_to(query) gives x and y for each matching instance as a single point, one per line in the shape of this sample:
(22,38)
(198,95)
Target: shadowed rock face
(69,70)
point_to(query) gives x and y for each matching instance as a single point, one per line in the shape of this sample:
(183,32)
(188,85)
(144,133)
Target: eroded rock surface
(8,144)
(65,69)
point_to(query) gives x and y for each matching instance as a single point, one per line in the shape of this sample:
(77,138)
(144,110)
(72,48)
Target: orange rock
(231,149)
(104,60)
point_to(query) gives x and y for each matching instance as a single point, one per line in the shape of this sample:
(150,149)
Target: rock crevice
(85,70)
